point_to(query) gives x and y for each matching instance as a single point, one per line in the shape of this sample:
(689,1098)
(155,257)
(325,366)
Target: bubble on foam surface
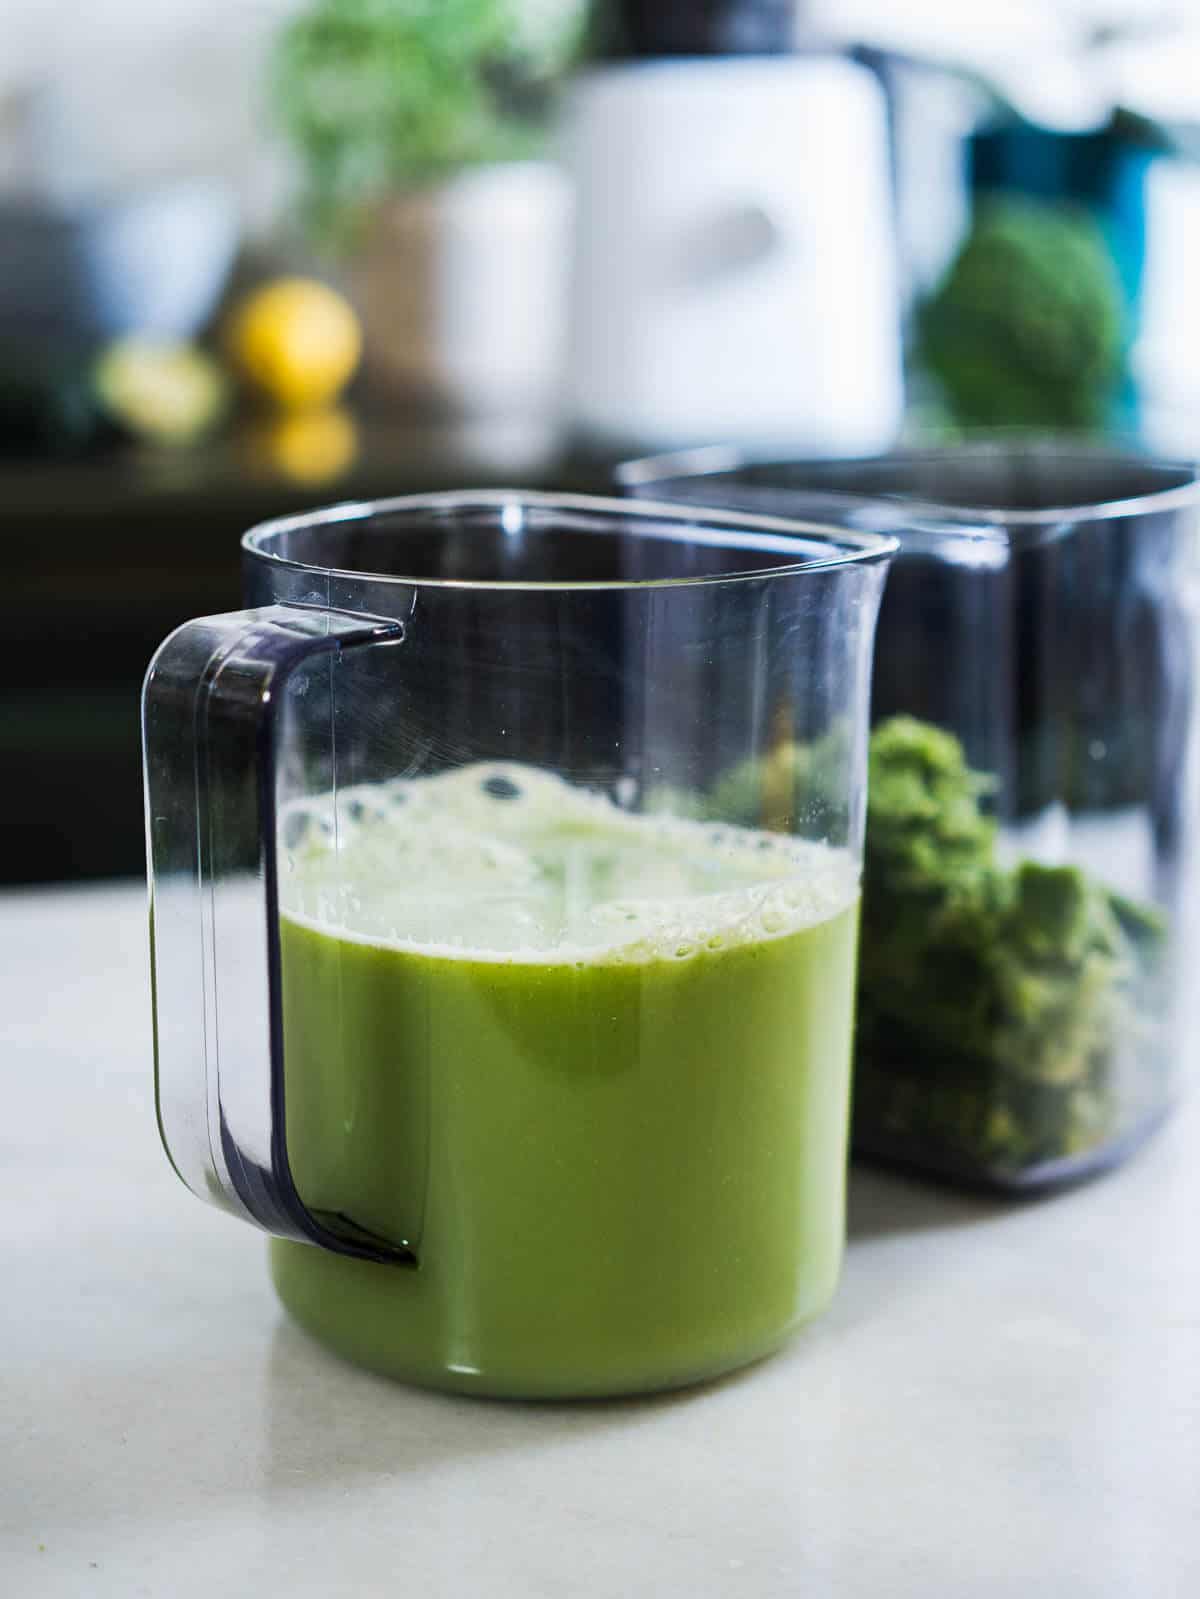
(502,861)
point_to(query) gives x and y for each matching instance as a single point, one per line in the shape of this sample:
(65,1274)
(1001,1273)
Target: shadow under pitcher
(471,986)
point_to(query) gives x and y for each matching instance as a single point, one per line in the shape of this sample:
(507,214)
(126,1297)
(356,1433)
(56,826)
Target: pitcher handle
(210,727)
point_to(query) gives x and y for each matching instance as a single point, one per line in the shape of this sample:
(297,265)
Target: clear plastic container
(536,1069)
(1028,885)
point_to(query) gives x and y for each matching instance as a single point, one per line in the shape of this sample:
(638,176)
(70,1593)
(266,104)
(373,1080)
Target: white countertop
(1004,1400)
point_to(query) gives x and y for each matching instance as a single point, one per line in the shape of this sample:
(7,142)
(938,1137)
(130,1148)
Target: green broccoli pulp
(1005,1013)
(1009,1017)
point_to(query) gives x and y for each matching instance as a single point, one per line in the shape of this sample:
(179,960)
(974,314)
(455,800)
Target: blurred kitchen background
(260,254)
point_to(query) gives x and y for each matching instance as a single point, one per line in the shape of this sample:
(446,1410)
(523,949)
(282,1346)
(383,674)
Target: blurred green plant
(377,96)
(1027,329)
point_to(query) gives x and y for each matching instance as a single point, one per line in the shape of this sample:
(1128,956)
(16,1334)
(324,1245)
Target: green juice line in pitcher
(591,1067)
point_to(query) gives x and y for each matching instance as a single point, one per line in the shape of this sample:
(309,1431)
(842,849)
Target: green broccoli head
(1027,327)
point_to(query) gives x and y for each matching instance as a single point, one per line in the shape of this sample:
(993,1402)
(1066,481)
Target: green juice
(592,1068)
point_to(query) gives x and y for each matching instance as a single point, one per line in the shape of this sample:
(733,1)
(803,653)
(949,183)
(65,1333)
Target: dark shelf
(105,556)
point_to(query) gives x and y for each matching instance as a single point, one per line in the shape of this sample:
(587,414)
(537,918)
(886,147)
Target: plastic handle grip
(210,731)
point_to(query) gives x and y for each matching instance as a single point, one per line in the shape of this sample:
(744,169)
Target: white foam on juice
(510,863)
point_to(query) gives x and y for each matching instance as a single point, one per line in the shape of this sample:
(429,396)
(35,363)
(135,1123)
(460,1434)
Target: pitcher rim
(715,461)
(749,530)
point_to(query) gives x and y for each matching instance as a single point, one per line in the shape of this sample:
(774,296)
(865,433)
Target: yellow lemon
(297,340)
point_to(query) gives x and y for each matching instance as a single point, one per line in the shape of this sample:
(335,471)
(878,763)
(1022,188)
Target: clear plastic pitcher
(471,985)
(1029,883)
